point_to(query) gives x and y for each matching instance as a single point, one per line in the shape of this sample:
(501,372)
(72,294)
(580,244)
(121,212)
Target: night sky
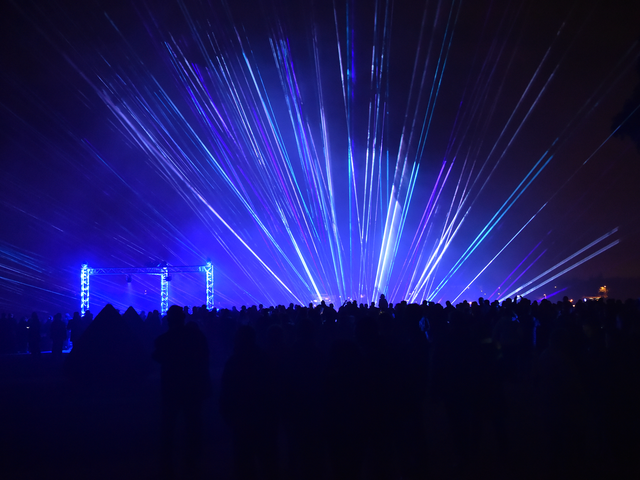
(425,150)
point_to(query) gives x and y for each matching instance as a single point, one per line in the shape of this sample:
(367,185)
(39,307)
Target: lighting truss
(163,270)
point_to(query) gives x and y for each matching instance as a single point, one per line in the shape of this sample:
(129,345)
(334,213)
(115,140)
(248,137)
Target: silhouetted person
(618,397)
(7,334)
(278,352)
(508,336)
(22,335)
(133,320)
(383,304)
(107,355)
(58,334)
(75,328)
(458,369)
(4,334)
(346,394)
(413,352)
(183,354)
(380,366)
(34,334)
(86,320)
(562,405)
(304,419)
(152,328)
(247,404)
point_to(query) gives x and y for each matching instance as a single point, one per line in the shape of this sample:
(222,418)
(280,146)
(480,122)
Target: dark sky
(133,134)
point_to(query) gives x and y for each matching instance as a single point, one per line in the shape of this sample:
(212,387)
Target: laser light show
(338,150)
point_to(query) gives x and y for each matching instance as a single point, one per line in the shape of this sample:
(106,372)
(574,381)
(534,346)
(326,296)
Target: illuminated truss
(163,270)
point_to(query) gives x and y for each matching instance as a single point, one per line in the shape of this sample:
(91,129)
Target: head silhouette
(175,317)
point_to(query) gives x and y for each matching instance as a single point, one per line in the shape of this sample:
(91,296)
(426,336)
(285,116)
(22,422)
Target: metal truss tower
(163,270)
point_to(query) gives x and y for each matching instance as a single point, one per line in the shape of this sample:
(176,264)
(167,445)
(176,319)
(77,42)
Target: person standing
(248,405)
(58,334)
(34,335)
(183,354)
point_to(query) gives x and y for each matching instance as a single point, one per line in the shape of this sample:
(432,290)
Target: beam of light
(568,269)
(417,240)
(154,149)
(303,167)
(506,206)
(396,217)
(426,278)
(336,250)
(520,126)
(30,285)
(568,259)
(499,252)
(547,297)
(396,214)
(516,268)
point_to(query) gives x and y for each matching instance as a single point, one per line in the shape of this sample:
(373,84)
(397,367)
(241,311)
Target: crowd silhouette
(315,392)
